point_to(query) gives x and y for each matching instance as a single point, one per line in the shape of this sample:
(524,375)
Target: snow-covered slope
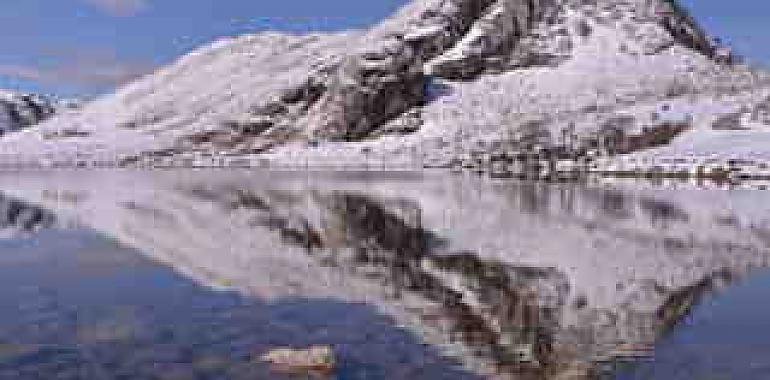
(437,75)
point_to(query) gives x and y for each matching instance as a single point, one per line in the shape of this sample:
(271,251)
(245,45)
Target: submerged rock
(311,359)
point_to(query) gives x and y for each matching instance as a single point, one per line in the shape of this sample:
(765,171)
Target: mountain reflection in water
(512,279)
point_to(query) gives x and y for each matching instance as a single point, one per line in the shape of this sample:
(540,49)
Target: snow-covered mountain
(18,111)
(437,76)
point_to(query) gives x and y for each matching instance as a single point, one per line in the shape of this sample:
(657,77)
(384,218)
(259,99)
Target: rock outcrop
(313,359)
(388,76)
(459,40)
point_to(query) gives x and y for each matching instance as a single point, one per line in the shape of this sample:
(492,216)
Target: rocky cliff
(439,75)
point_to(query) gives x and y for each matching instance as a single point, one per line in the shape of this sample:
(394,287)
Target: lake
(196,274)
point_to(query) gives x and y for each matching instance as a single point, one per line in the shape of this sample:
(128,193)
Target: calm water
(726,337)
(194,275)
(77,305)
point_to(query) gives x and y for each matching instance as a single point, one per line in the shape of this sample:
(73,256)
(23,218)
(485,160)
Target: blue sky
(90,46)
(745,24)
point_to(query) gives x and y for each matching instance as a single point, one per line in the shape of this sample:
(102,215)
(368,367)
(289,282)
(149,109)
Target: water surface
(409,275)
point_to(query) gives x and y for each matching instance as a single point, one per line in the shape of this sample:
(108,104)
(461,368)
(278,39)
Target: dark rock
(19,111)
(729,122)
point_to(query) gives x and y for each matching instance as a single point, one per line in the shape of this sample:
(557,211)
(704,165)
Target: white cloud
(120,8)
(90,67)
